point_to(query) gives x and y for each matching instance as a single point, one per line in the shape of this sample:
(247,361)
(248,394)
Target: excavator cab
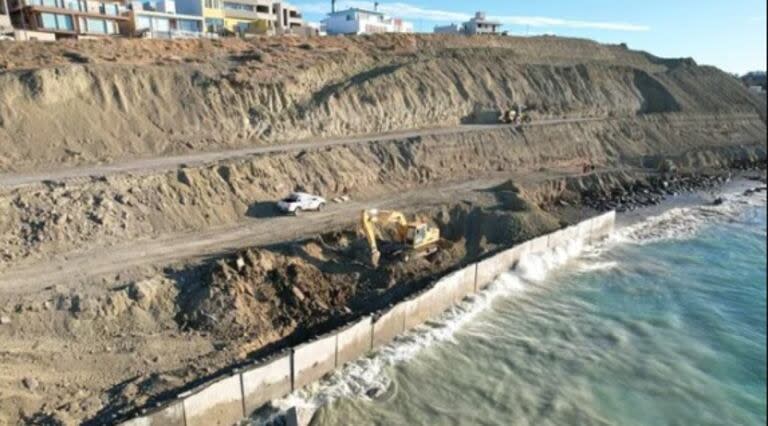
(421,234)
(415,234)
(412,239)
(517,115)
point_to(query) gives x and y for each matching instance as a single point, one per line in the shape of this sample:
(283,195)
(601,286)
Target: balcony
(247,11)
(107,9)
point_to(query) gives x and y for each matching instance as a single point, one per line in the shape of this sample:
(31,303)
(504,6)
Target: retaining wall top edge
(204,386)
(263,362)
(316,339)
(352,324)
(154,410)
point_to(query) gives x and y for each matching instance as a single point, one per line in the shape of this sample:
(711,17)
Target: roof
(486,21)
(356,9)
(303,195)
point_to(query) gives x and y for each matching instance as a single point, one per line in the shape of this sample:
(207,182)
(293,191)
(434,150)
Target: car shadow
(263,209)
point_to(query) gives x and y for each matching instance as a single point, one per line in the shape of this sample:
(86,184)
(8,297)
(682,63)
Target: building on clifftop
(160,19)
(5,18)
(57,19)
(245,16)
(477,25)
(361,21)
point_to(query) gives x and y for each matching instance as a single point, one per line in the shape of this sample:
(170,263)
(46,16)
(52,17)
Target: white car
(300,201)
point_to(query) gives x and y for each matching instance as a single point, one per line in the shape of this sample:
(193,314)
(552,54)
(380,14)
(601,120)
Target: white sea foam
(686,222)
(592,266)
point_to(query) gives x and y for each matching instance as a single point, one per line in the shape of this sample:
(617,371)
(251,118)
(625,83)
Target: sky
(730,34)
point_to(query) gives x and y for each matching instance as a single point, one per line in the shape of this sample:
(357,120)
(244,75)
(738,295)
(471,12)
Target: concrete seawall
(228,399)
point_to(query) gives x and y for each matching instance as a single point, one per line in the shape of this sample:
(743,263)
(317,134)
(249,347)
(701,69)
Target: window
(238,6)
(48,21)
(64,22)
(143,23)
(97,26)
(188,25)
(241,27)
(110,9)
(212,4)
(214,25)
(161,24)
(350,17)
(55,21)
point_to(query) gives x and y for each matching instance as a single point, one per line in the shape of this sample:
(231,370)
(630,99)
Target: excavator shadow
(262,210)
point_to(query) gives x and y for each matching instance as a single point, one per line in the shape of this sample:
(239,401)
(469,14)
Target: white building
(361,21)
(5,18)
(159,19)
(477,25)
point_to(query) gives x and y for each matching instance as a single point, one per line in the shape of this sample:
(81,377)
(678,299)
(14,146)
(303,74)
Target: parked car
(299,202)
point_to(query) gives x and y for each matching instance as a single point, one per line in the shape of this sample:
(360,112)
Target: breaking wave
(686,222)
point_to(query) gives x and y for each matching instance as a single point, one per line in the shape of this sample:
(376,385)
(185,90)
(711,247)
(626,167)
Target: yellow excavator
(518,115)
(411,239)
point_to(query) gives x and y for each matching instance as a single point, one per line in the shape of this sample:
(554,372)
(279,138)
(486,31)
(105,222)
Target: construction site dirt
(140,247)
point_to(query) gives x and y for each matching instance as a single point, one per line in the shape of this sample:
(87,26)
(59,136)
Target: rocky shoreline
(654,190)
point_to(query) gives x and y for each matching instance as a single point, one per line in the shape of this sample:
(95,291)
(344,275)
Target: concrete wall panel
(354,341)
(556,239)
(462,282)
(313,360)
(170,415)
(490,269)
(265,382)
(584,230)
(602,226)
(427,305)
(539,245)
(220,403)
(566,237)
(389,325)
(449,291)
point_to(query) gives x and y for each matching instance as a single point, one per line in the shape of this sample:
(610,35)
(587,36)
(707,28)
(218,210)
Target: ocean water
(663,325)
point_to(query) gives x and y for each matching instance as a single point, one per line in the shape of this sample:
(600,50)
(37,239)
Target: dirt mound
(264,296)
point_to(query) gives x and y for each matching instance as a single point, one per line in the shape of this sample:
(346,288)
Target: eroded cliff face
(44,219)
(109,100)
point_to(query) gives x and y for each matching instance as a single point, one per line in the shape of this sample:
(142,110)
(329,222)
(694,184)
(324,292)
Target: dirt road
(83,267)
(142,166)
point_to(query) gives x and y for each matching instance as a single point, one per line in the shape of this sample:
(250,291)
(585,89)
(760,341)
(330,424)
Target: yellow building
(213,13)
(241,16)
(258,26)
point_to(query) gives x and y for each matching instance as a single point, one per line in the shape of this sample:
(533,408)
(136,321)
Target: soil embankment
(119,290)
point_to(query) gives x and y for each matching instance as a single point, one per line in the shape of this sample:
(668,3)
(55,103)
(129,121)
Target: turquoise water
(665,325)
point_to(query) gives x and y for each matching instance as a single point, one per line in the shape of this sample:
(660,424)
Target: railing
(177,34)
